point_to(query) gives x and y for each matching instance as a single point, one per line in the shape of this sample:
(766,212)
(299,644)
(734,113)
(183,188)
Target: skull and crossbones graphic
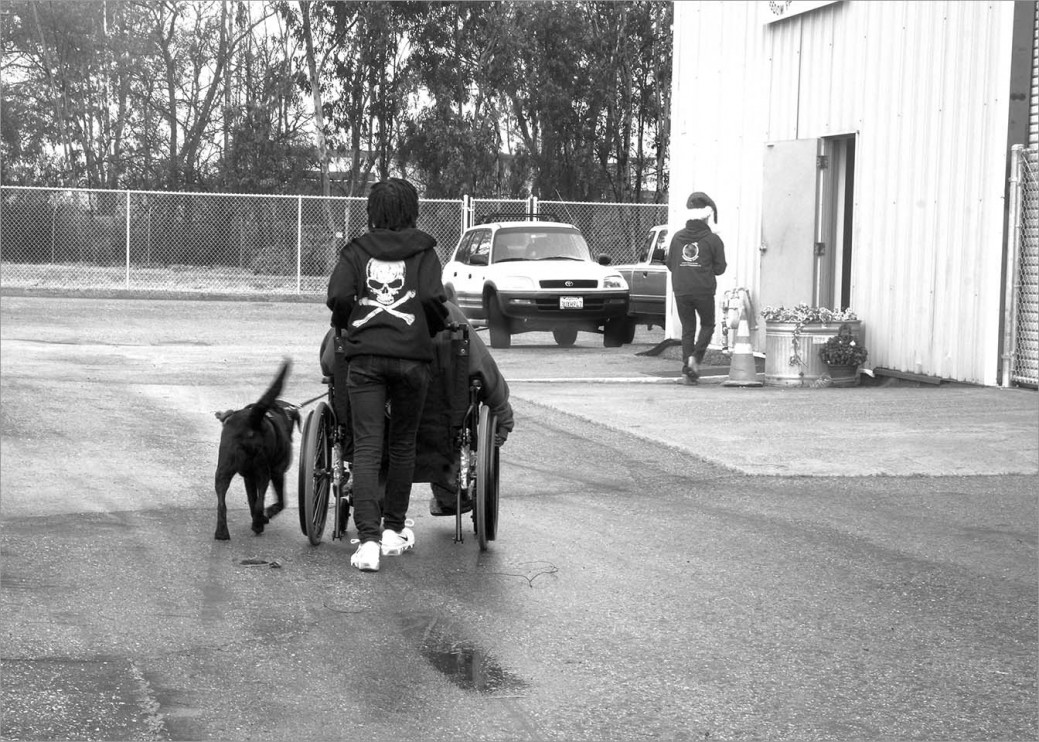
(385,279)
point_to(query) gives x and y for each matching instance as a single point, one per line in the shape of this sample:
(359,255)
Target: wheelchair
(455,444)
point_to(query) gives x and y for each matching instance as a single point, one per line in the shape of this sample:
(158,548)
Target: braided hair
(392,204)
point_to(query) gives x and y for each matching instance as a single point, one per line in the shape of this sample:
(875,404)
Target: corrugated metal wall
(924,86)
(717,107)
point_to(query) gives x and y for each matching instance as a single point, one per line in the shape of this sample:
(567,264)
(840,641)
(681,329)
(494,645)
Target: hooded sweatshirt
(495,390)
(695,258)
(387,292)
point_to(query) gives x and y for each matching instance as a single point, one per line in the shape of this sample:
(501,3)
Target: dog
(256,444)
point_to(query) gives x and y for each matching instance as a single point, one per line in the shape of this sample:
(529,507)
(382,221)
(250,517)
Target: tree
(360,58)
(314,84)
(127,92)
(453,154)
(570,80)
(66,64)
(265,147)
(456,142)
(568,100)
(194,48)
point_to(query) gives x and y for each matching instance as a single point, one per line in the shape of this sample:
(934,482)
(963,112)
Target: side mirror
(604,259)
(480,259)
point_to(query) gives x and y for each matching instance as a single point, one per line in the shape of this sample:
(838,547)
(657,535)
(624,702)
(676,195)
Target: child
(386,294)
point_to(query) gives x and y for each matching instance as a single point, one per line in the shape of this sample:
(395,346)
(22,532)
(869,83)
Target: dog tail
(266,402)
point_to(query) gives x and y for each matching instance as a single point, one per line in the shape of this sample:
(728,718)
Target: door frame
(835,222)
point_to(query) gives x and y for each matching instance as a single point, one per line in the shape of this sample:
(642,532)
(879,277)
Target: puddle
(462,662)
(470,668)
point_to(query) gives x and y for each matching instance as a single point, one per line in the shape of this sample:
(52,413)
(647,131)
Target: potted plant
(843,355)
(791,333)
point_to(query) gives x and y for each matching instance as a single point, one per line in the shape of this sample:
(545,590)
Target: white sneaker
(366,558)
(395,544)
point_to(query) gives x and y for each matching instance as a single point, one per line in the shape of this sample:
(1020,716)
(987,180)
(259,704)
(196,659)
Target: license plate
(571,302)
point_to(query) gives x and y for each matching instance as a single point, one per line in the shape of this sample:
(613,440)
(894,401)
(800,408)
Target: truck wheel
(498,324)
(565,336)
(614,332)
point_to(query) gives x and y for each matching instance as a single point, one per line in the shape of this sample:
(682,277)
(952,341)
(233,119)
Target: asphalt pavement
(810,605)
(881,427)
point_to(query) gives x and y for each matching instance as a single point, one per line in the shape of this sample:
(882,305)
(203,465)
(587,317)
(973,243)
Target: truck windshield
(545,243)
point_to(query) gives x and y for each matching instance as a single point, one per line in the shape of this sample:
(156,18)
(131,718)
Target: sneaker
(694,366)
(689,374)
(395,544)
(366,558)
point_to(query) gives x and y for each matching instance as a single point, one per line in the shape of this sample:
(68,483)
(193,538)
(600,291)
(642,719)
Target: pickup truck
(647,281)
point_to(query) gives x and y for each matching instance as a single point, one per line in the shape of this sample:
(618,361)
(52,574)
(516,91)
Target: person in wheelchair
(386,293)
(494,393)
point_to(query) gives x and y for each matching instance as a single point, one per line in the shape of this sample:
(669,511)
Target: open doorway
(807,220)
(833,239)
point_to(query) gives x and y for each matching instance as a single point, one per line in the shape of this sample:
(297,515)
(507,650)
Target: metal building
(859,153)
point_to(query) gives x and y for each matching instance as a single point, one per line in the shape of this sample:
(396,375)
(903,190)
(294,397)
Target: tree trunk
(319,123)
(315,89)
(60,115)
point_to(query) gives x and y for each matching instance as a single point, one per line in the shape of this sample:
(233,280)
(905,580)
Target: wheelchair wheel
(486,478)
(301,487)
(315,472)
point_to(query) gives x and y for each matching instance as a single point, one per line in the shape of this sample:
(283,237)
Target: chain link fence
(68,238)
(1023,331)
(487,209)
(617,230)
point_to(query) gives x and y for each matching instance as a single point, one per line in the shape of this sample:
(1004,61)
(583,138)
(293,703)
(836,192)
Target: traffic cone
(742,370)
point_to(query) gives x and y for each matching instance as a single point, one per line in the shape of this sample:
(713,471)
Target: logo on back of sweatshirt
(691,253)
(385,279)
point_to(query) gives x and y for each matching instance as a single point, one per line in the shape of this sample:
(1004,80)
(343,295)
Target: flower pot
(785,342)
(843,375)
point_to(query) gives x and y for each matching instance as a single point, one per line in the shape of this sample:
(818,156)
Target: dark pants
(689,307)
(372,381)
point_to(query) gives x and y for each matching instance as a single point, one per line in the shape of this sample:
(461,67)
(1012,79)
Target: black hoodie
(387,292)
(695,258)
